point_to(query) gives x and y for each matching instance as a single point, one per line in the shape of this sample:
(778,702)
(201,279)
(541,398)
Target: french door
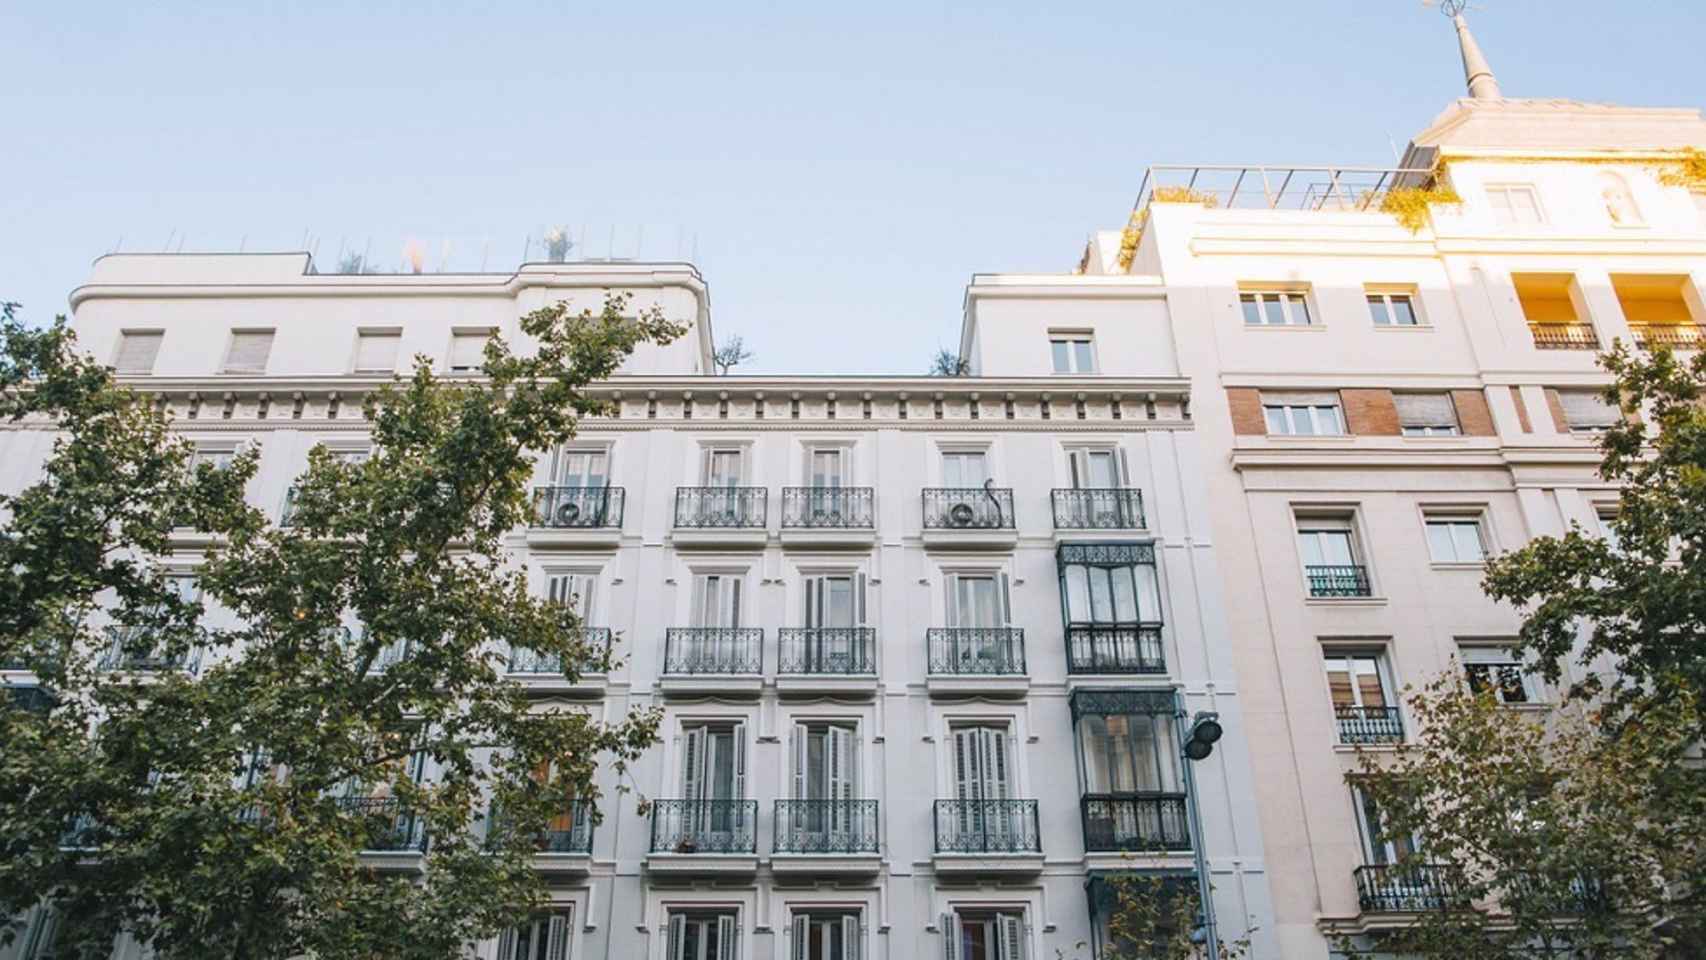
(826,773)
(983,783)
(713,778)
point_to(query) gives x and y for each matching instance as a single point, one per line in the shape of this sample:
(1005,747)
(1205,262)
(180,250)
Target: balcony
(969,518)
(1135,822)
(1337,582)
(829,517)
(826,837)
(1393,888)
(394,838)
(977,660)
(576,516)
(1116,508)
(132,649)
(1123,648)
(827,660)
(704,837)
(1677,336)
(542,672)
(1369,725)
(721,517)
(1564,336)
(713,660)
(988,836)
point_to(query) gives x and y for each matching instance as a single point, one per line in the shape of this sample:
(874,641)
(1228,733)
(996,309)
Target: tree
(732,353)
(947,363)
(1155,917)
(226,809)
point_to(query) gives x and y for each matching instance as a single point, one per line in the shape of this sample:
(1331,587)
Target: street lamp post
(1196,744)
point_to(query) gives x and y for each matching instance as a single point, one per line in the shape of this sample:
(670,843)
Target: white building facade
(924,646)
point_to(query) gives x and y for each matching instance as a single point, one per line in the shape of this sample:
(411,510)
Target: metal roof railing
(1318,188)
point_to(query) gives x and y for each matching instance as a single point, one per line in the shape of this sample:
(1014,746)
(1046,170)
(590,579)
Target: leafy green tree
(222,812)
(1154,917)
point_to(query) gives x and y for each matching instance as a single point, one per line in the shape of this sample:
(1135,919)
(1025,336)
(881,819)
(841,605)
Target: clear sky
(840,170)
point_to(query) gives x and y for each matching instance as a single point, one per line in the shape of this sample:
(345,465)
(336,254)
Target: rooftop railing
(1305,188)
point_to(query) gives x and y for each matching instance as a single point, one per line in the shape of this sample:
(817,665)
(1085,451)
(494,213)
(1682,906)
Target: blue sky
(841,170)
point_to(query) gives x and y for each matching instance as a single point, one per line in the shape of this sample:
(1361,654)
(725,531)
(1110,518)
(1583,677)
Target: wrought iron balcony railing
(704,826)
(1393,888)
(1135,821)
(82,833)
(976,650)
(132,649)
(578,508)
(968,508)
(836,651)
(721,507)
(714,650)
(1114,648)
(826,826)
(1564,336)
(388,826)
(1337,581)
(523,660)
(1681,336)
(1363,725)
(987,826)
(1113,508)
(834,508)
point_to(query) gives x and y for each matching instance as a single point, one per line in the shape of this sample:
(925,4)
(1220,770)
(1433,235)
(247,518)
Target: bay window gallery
(1112,602)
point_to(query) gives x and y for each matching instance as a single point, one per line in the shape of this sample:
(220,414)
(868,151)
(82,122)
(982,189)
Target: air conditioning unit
(961,515)
(567,514)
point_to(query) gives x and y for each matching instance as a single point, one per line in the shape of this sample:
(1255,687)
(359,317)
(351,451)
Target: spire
(1476,73)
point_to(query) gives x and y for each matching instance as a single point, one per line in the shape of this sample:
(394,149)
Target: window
(544,938)
(41,935)
(1275,308)
(351,456)
(964,469)
(1072,353)
(1607,520)
(581,468)
(1426,414)
(376,351)
(977,600)
(1127,753)
(717,600)
(703,936)
(218,458)
(137,350)
(1360,686)
(723,466)
(1497,669)
(1585,411)
(468,350)
(1109,594)
(249,351)
(826,935)
(1455,539)
(1514,204)
(1303,414)
(1393,310)
(1380,847)
(828,466)
(1094,469)
(713,775)
(835,601)
(826,767)
(1332,563)
(572,590)
(997,935)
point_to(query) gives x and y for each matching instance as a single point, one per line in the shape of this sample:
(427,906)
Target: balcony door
(826,766)
(713,780)
(1326,542)
(979,609)
(826,936)
(984,785)
(723,467)
(545,937)
(582,468)
(835,608)
(984,936)
(717,600)
(964,468)
(827,468)
(1095,469)
(1380,846)
(711,936)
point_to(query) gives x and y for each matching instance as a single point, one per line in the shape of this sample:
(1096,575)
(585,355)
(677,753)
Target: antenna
(1451,8)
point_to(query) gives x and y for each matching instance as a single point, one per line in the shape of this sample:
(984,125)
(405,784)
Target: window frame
(1508,189)
(1080,347)
(1455,517)
(156,334)
(485,334)
(1386,299)
(1302,401)
(1380,657)
(1534,691)
(1585,429)
(226,367)
(1433,429)
(1262,301)
(362,334)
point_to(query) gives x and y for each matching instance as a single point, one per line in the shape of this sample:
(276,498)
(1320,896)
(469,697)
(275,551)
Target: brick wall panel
(1245,403)
(1473,417)
(1370,413)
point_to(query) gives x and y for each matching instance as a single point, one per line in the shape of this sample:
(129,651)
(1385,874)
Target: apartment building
(925,646)
(1379,409)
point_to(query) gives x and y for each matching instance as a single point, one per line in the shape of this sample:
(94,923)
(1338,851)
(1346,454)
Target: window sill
(1339,438)
(1402,326)
(1285,326)
(1354,748)
(1438,565)
(1537,707)
(1344,601)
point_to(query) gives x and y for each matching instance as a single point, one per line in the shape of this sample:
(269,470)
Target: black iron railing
(1113,508)
(826,826)
(836,651)
(1114,648)
(388,826)
(578,508)
(987,826)
(834,508)
(1393,888)
(1337,581)
(704,826)
(968,508)
(976,650)
(132,648)
(571,832)
(523,660)
(1359,725)
(720,507)
(30,699)
(713,650)
(1536,892)
(1135,821)
(82,833)
(1564,336)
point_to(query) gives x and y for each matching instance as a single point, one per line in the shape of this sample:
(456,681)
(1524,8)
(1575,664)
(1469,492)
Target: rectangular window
(581,468)
(249,351)
(1112,594)
(1095,469)
(1514,204)
(1380,846)
(717,600)
(468,351)
(1607,520)
(1358,680)
(977,600)
(723,466)
(1587,412)
(984,935)
(826,935)
(376,351)
(546,937)
(137,350)
(827,467)
(703,936)
(1332,560)
(1393,310)
(1426,414)
(1456,539)
(964,469)
(216,457)
(1303,414)
(1072,353)
(826,765)
(983,763)
(572,590)
(1275,308)
(713,762)
(1497,669)
(1128,753)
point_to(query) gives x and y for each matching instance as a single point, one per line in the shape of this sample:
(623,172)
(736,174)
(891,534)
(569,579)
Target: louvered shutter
(950,936)
(506,944)
(249,351)
(859,618)
(1012,937)
(965,763)
(740,762)
(693,777)
(1424,409)
(802,759)
(377,352)
(850,945)
(727,937)
(557,941)
(1006,602)
(814,601)
(842,769)
(677,936)
(137,353)
(802,936)
(467,351)
(951,605)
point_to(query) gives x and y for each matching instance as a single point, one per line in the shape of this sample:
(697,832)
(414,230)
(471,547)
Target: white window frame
(220,453)
(125,340)
(1011,922)
(1386,301)
(363,335)
(1605,516)
(1381,661)
(727,923)
(1455,519)
(1283,408)
(1494,654)
(956,450)
(229,367)
(742,452)
(850,919)
(588,450)
(1389,851)
(463,334)
(1289,302)
(1504,213)
(1080,352)
(556,924)
(810,449)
